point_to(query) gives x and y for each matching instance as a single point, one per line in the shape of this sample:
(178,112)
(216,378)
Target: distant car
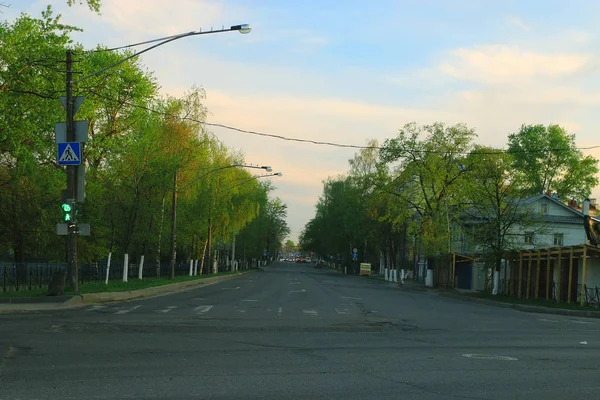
(308,259)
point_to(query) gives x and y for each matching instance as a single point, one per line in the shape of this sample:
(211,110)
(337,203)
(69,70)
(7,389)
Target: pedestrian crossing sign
(69,153)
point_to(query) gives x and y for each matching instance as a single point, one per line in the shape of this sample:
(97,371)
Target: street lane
(292,331)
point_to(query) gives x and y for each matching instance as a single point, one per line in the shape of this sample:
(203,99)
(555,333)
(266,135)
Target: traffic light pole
(72,268)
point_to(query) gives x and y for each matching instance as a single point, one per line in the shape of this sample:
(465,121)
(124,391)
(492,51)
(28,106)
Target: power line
(342,145)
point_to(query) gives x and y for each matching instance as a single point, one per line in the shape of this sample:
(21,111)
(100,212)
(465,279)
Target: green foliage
(138,143)
(547,160)
(94,5)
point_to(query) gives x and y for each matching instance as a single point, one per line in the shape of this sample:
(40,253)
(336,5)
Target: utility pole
(71,193)
(173,228)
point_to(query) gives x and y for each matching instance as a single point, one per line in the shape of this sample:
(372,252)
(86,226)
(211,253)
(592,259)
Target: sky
(349,71)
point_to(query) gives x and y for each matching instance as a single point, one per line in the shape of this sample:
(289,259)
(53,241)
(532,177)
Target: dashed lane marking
(166,310)
(203,309)
(121,312)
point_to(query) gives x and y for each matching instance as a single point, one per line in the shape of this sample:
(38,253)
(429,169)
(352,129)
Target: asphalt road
(294,332)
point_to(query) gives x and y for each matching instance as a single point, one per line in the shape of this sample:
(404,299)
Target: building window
(544,208)
(528,237)
(558,239)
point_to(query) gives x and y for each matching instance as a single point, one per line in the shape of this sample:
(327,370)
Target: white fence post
(140,274)
(108,268)
(125,267)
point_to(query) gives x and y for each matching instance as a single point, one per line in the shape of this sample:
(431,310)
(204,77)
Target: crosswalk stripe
(121,312)
(166,310)
(203,309)
(310,312)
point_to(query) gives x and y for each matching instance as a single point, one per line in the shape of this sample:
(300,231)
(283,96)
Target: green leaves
(138,142)
(547,160)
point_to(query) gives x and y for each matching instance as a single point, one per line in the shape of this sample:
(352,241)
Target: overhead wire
(340,145)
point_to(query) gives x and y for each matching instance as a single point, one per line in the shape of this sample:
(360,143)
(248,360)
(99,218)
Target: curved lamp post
(75,172)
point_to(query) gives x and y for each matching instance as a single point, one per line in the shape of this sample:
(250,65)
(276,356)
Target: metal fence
(29,276)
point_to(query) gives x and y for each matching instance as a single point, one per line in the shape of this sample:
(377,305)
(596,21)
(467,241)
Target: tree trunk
(162,219)
(203,255)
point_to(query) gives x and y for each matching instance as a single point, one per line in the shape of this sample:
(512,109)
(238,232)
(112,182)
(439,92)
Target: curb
(525,308)
(107,297)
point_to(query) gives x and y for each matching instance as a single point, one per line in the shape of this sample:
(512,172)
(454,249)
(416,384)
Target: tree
(427,174)
(548,160)
(94,5)
(496,207)
(290,244)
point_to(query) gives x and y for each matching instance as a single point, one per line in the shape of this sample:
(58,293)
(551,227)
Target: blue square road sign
(69,153)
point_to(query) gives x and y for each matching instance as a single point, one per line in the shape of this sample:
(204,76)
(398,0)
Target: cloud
(518,22)
(501,64)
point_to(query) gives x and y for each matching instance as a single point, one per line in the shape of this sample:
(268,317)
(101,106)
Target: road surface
(295,332)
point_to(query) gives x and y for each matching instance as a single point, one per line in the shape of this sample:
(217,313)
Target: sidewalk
(457,294)
(462,295)
(44,303)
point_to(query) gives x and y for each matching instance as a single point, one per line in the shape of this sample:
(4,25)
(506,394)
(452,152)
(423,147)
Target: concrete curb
(107,297)
(524,307)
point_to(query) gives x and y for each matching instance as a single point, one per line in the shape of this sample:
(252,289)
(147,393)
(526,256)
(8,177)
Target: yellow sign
(365,268)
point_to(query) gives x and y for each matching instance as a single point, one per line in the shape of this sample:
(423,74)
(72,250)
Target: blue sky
(348,71)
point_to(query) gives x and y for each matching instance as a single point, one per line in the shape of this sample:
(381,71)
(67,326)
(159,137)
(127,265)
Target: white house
(550,248)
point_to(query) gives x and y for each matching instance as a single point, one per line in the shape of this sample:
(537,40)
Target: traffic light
(67,210)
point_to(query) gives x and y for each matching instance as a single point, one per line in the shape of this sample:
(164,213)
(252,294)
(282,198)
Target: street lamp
(174,209)
(76,171)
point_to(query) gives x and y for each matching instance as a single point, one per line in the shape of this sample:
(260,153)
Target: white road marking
(166,310)
(95,308)
(310,312)
(230,288)
(295,283)
(250,300)
(199,298)
(581,322)
(351,298)
(280,310)
(341,310)
(298,291)
(121,312)
(203,309)
(241,311)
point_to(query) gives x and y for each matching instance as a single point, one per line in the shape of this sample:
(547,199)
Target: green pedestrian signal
(67,212)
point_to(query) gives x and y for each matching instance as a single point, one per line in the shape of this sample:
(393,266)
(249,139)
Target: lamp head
(244,28)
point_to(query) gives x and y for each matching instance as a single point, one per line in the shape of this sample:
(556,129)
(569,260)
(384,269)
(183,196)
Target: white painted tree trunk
(395,275)
(402,275)
(191,267)
(140,271)
(429,278)
(196,267)
(496,283)
(125,267)
(385,274)
(108,268)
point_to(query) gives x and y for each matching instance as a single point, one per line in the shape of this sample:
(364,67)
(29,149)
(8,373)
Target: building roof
(556,201)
